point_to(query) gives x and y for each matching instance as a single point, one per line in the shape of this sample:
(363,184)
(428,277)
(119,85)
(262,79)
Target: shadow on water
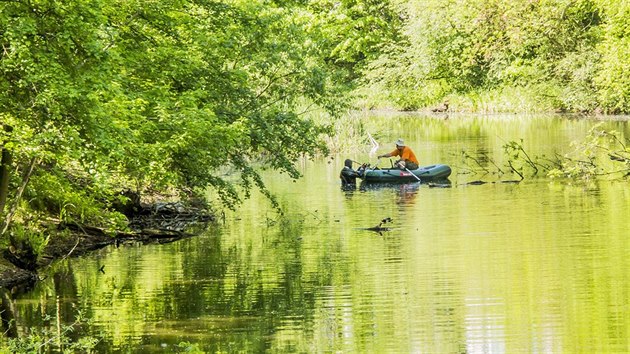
(368,186)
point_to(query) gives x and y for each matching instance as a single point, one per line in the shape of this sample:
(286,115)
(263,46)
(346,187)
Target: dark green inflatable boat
(395,175)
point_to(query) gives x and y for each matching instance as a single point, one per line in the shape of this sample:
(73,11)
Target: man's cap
(400,142)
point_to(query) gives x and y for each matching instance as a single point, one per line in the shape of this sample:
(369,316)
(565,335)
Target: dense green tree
(613,77)
(352,33)
(106,95)
(571,53)
(51,59)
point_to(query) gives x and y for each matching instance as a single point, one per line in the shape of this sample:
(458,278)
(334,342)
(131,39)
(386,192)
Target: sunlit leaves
(156,95)
(613,79)
(601,153)
(569,53)
(353,33)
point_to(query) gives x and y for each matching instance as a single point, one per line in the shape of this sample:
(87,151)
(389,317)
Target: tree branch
(515,170)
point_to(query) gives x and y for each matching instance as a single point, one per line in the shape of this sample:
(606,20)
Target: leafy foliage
(570,53)
(156,96)
(613,80)
(62,339)
(602,153)
(353,33)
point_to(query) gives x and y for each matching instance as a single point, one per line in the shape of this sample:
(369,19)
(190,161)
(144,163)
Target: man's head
(348,163)
(400,144)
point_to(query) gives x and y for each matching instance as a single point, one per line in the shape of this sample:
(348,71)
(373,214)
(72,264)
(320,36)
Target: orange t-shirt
(407,154)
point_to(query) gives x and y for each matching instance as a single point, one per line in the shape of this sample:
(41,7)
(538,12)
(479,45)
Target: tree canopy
(570,55)
(99,96)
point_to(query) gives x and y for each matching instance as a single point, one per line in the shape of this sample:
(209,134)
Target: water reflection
(7,314)
(405,193)
(536,267)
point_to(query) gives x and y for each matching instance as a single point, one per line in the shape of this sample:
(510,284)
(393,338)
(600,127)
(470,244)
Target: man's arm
(389,154)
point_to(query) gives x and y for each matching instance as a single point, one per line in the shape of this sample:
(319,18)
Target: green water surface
(535,267)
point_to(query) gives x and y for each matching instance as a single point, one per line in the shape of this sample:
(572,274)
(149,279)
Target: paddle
(418,178)
(406,169)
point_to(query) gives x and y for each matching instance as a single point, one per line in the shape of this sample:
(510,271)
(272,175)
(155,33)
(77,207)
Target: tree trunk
(5,172)
(18,195)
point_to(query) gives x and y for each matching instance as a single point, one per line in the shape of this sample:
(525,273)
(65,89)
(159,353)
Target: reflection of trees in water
(448,310)
(7,314)
(44,325)
(242,286)
(204,286)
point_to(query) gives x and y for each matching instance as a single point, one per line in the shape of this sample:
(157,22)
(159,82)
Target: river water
(538,266)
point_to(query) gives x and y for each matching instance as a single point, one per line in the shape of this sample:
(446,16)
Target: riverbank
(158,223)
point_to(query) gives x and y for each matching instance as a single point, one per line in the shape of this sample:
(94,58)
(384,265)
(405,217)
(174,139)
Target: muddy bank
(158,223)
(11,276)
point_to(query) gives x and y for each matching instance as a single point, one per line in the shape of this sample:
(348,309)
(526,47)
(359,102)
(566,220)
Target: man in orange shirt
(407,157)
